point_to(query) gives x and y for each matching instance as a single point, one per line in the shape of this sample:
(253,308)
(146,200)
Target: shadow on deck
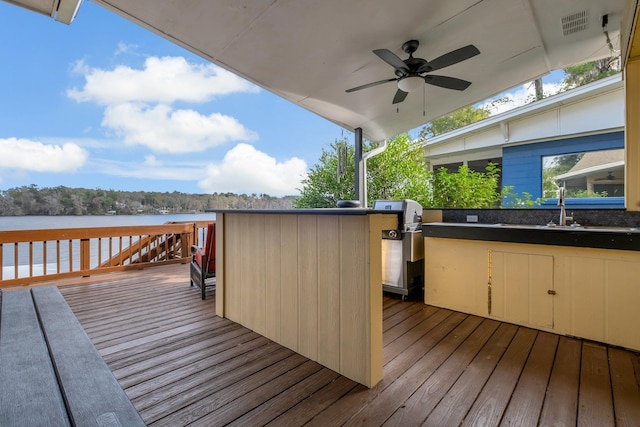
(181,364)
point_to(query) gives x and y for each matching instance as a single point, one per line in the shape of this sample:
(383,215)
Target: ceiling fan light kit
(411,83)
(412,73)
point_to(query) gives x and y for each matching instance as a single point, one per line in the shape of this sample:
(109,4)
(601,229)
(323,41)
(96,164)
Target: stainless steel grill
(402,248)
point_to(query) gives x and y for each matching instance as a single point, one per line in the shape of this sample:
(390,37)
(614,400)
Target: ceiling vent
(575,23)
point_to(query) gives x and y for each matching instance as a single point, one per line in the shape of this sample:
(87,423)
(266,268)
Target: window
(533,168)
(450,167)
(588,174)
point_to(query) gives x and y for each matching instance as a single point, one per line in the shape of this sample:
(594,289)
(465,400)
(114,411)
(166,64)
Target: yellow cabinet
(583,292)
(604,299)
(456,275)
(520,288)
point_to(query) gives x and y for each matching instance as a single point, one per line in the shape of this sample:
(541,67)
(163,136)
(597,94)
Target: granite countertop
(318,211)
(623,238)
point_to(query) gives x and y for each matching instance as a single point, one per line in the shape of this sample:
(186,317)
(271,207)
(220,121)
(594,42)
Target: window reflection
(586,174)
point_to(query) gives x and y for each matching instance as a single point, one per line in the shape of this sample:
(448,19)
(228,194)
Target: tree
(459,118)
(465,189)
(581,74)
(31,200)
(539,89)
(400,173)
(397,173)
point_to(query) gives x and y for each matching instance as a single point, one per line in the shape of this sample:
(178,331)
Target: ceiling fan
(412,72)
(609,177)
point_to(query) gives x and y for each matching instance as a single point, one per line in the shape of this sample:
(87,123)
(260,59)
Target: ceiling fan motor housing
(410,46)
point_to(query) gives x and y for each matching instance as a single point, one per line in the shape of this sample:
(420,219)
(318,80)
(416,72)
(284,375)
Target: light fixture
(67,10)
(411,83)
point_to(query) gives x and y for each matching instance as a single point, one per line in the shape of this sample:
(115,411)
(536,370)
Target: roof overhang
(579,94)
(607,167)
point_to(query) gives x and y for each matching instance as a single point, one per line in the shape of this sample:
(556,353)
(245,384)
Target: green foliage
(398,172)
(515,200)
(465,189)
(554,167)
(322,188)
(583,193)
(459,118)
(581,74)
(31,200)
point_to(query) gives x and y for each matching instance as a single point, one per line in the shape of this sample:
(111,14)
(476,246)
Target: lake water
(51,222)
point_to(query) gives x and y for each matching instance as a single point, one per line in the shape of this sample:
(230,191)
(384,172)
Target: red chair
(203,261)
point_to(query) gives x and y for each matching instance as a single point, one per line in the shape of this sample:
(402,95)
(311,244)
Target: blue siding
(522,164)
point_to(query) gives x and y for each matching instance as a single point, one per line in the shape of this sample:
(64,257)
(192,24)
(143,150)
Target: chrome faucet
(563,213)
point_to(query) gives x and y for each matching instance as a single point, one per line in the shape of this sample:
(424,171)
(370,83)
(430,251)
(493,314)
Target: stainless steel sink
(611,229)
(572,227)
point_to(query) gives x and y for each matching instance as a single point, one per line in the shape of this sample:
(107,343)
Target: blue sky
(104,103)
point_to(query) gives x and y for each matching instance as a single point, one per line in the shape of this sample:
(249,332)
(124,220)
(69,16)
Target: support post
(632,135)
(359,172)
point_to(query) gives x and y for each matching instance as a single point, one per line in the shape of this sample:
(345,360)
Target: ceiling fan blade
(391,59)
(400,96)
(450,58)
(447,82)
(353,89)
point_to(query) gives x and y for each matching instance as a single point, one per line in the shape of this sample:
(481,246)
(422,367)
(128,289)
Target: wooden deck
(180,364)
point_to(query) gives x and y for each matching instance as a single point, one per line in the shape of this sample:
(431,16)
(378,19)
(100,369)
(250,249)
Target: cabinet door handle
(551,292)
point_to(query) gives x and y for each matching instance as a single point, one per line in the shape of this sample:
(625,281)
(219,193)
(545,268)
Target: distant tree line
(31,200)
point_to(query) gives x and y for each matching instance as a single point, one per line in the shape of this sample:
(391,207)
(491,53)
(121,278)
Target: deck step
(92,393)
(29,394)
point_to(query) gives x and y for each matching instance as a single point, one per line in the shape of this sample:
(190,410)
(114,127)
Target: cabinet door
(456,275)
(520,288)
(605,299)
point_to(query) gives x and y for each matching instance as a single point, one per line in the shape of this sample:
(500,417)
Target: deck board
(595,407)
(181,364)
(490,405)
(560,406)
(525,403)
(461,396)
(198,389)
(626,394)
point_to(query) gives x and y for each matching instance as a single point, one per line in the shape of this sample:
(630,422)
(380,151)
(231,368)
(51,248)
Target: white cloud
(520,96)
(161,80)
(138,103)
(148,170)
(164,130)
(35,156)
(247,170)
(150,160)
(125,48)
(244,169)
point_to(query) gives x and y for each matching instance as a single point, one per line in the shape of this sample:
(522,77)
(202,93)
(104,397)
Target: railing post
(185,246)
(85,255)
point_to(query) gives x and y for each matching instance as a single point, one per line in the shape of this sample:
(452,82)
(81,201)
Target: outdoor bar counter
(308,279)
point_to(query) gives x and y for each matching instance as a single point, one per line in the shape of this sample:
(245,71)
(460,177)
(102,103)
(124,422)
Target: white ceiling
(310,52)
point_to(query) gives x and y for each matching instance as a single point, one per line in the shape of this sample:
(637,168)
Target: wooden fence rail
(30,256)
